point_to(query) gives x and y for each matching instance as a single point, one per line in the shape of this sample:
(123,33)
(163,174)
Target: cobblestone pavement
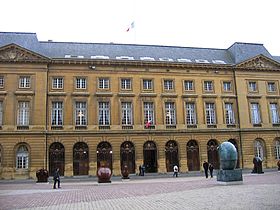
(258,191)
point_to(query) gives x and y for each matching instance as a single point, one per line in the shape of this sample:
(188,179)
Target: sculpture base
(230,176)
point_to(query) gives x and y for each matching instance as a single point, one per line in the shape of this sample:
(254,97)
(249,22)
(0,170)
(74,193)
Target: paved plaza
(258,191)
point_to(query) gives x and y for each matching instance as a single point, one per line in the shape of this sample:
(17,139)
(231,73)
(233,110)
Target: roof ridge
(5,32)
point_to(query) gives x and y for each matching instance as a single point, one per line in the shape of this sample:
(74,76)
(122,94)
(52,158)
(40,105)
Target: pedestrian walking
(56,179)
(211,168)
(205,167)
(140,170)
(175,171)
(143,170)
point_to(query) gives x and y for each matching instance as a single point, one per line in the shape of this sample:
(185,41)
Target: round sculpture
(228,156)
(104,175)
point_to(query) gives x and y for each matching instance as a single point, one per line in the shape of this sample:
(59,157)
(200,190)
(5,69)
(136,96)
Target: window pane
(275,118)
(255,113)
(23,113)
(104,113)
(57,113)
(229,114)
(188,85)
(81,113)
(170,115)
(126,113)
(149,112)
(210,114)
(190,114)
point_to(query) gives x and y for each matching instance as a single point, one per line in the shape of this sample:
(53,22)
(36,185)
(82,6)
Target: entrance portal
(80,159)
(128,156)
(171,155)
(56,158)
(104,155)
(193,156)
(212,152)
(150,157)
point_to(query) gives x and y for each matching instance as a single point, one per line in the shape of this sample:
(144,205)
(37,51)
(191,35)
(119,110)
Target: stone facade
(63,111)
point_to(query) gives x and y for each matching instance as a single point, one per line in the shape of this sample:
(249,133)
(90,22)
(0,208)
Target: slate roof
(237,53)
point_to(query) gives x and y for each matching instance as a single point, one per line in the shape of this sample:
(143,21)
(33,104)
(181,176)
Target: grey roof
(237,53)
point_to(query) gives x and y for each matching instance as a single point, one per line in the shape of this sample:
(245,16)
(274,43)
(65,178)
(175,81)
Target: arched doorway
(171,155)
(56,158)
(150,156)
(104,155)
(233,141)
(212,152)
(128,156)
(80,159)
(260,149)
(193,156)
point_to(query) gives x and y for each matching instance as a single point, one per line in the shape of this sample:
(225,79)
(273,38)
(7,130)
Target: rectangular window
(170,114)
(190,114)
(80,83)
(210,114)
(188,85)
(252,86)
(227,86)
(147,84)
(103,83)
(80,113)
(1,113)
(126,84)
(57,113)
(149,113)
(23,113)
(126,113)
(274,113)
(208,86)
(230,120)
(255,114)
(104,113)
(1,82)
(57,83)
(24,82)
(271,87)
(168,85)
(22,162)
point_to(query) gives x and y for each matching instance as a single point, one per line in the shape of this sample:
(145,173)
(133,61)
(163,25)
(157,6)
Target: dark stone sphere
(228,156)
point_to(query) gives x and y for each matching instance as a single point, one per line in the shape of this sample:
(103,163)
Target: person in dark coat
(143,170)
(140,170)
(206,166)
(56,179)
(211,168)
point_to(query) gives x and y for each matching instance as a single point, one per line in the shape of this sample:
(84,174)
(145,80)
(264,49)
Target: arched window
(22,157)
(277,149)
(259,150)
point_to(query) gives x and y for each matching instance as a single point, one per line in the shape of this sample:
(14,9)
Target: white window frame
(189,85)
(23,113)
(229,114)
(149,111)
(126,84)
(81,83)
(103,113)
(210,113)
(57,83)
(24,82)
(103,83)
(1,113)
(259,150)
(190,113)
(277,149)
(271,87)
(80,113)
(208,86)
(170,113)
(274,113)
(168,84)
(22,157)
(2,82)
(57,113)
(252,85)
(127,115)
(255,113)
(147,84)
(227,86)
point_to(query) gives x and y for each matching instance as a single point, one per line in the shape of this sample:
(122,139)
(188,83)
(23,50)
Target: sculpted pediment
(260,62)
(15,53)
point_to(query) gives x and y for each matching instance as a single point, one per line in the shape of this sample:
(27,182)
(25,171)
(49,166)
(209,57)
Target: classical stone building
(77,106)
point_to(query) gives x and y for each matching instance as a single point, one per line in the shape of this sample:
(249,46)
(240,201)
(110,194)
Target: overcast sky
(190,23)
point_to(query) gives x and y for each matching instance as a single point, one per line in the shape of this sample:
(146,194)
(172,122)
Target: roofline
(5,32)
(249,43)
